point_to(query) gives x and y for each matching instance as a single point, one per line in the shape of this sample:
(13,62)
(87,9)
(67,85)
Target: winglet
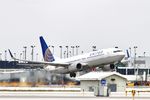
(128,55)
(11,54)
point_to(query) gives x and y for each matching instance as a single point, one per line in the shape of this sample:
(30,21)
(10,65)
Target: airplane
(77,63)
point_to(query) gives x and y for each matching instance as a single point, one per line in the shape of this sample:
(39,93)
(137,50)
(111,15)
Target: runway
(72,98)
(14,95)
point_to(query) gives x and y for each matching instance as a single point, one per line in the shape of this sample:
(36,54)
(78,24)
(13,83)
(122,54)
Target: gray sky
(104,23)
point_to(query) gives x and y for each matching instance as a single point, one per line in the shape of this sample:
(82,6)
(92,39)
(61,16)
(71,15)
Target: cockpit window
(117,51)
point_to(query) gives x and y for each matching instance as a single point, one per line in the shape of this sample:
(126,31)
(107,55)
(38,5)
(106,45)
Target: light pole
(130,51)
(5,55)
(20,55)
(135,47)
(25,51)
(94,48)
(36,56)
(72,50)
(14,56)
(64,54)
(82,52)
(67,51)
(130,56)
(23,55)
(77,49)
(32,52)
(53,49)
(0,56)
(60,51)
(70,53)
(144,58)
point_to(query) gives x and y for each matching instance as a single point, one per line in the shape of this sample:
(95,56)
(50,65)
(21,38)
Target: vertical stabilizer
(47,54)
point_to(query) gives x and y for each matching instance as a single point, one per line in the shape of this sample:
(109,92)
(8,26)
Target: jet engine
(75,67)
(108,67)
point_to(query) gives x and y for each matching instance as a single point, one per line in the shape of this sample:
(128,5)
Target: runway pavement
(72,98)
(21,95)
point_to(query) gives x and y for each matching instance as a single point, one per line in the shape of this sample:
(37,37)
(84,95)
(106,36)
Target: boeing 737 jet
(77,63)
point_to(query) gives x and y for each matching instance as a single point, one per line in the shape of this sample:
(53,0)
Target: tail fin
(47,55)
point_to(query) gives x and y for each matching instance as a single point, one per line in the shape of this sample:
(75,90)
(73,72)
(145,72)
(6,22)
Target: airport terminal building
(138,66)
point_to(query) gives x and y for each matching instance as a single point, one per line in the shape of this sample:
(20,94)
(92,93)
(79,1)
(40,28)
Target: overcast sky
(104,23)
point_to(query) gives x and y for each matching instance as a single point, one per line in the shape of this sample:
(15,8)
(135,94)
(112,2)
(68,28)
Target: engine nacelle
(108,67)
(79,66)
(75,67)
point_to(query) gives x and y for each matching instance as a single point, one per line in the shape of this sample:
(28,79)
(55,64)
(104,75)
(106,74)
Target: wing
(39,63)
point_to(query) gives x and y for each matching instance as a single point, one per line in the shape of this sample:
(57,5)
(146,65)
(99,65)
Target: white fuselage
(92,59)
